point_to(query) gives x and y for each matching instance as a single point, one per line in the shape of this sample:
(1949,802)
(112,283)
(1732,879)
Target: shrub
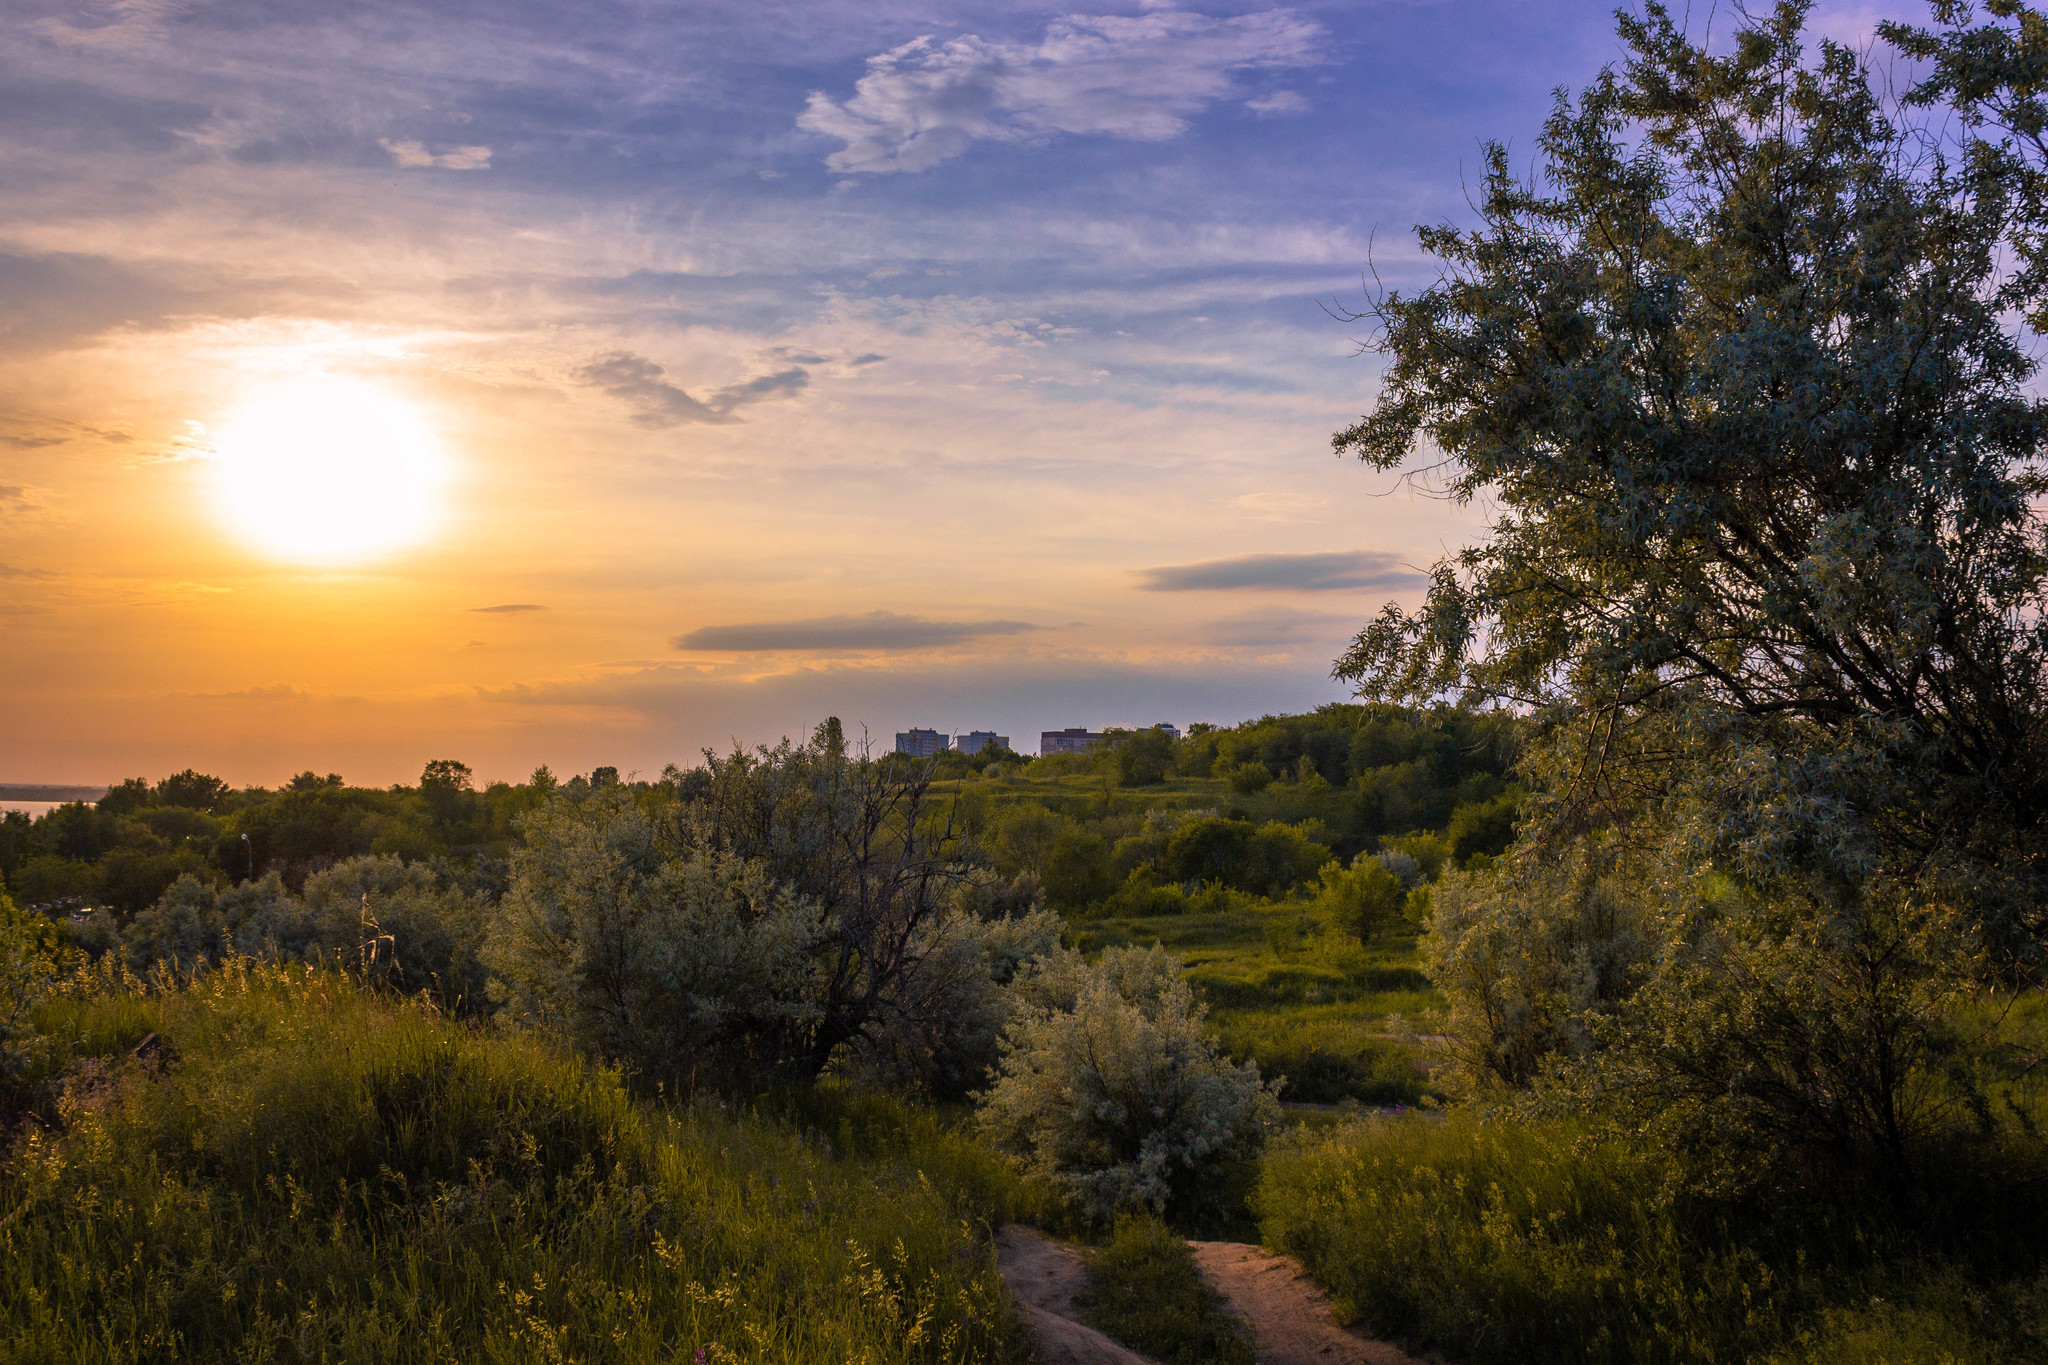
(28,964)
(1531,1241)
(945,1041)
(1110,1088)
(1366,898)
(1249,778)
(642,948)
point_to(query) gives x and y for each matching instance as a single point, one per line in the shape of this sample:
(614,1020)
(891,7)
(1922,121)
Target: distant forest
(1275,798)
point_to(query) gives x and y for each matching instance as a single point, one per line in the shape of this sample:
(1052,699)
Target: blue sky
(960,365)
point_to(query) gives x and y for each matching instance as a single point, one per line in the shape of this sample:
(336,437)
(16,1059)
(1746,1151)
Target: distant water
(35,809)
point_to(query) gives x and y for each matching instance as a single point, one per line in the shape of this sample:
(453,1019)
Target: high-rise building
(920,743)
(1074,740)
(974,741)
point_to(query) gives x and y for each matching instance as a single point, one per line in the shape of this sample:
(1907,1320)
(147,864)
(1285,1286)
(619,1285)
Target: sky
(647,377)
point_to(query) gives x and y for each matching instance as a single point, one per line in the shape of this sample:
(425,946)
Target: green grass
(1143,1290)
(305,1173)
(1530,1242)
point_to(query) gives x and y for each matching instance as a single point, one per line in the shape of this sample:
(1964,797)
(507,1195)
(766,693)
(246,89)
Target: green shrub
(1110,1088)
(1328,1061)
(1364,899)
(1144,1291)
(1532,1241)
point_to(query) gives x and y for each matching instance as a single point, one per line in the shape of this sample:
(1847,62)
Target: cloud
(31,442)
(18,497)
(414,155)
(1335,571)
(1137,77)
(15,571)
(510,607)
(637,380)
(274,692)
(1279,102)
(879,630)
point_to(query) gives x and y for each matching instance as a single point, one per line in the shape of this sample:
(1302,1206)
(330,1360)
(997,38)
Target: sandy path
(1289,1317)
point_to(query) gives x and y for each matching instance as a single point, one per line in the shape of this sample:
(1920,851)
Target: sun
(326,470)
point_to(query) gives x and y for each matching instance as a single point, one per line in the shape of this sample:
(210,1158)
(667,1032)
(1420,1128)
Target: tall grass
(295,1171)
(1533,1242)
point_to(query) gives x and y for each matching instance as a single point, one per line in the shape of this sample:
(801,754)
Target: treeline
(1259,807)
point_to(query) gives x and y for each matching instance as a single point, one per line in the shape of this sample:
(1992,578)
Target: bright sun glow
(324,470)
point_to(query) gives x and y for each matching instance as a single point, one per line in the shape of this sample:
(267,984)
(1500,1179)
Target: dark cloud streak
(1335,571)
(878,630)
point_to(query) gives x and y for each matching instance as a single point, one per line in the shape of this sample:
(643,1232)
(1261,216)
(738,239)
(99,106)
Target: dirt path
(1289,1317)
(1043,1276)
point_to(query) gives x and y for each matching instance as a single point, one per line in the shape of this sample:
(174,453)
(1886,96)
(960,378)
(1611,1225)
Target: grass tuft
(1145,1292)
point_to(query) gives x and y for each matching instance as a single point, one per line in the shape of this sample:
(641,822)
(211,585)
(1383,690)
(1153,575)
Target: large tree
(1741,370)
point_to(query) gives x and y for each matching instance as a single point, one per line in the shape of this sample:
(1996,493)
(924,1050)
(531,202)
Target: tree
(194,790)
(1747,394)
(446,785)
(860,841)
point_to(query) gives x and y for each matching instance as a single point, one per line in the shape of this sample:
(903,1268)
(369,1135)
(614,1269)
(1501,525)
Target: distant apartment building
(1170,731)
(920,743)
(974,741)
(1075,740)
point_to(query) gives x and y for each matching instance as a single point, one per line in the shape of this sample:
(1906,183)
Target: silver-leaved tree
(1743,368)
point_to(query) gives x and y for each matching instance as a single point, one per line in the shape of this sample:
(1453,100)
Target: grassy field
(291,1170)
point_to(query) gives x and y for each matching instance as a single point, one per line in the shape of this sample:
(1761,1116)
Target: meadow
(268,1163)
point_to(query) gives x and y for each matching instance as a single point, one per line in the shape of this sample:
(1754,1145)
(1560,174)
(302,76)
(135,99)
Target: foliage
(1529,962)
(1144,1291)
(1110,1089)
(1740,370)
(28,963)
(642,946)
(1364,899)
(393,922)
(941,1042)
(321,1175)
(1530,1242)
(860,841)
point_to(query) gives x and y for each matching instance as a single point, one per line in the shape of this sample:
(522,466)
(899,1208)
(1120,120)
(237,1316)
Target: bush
(1531,1242)
(1111,1090)
(1365,899)
(643,949)
(945,1043)
(1249,778)
(28,964)
(1144,1291)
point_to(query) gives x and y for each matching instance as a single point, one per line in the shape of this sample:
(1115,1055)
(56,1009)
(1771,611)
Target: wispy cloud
(414,156)
(509,607)
(1336,571)
(637,380)
(15,571)
(878,630)
(1139,77)
(19,497)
